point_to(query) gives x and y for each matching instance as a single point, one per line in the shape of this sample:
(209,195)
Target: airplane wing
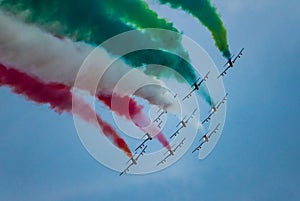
(179,145)
(191,116)
(187,96)
(222,101)
(199,147)
(207,118)
(139,147)
(158,117)
(176,132)
(180,122)
(142,153)
(238,56)
(224,72)
(159,125)
(226,64)
(194,111)
(195,82)
(127,169)
(142,144)
(204,79)
(163,160)
(214,131)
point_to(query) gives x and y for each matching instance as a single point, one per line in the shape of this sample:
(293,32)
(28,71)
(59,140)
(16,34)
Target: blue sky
(256,158)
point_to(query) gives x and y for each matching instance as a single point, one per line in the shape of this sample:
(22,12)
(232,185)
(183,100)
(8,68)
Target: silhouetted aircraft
(171,152)
(215,108)
(183,123)
(133,161)
(196,85)
(206,137)
(230,62)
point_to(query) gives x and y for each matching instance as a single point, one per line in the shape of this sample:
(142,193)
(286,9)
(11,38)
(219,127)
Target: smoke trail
(59,97)
(130,11)
(78,20)
(132,112)
(59,17)
(208,16)
(169,60)
(142,121)
(51,59)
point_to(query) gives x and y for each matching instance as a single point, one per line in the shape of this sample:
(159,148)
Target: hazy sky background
(257,157)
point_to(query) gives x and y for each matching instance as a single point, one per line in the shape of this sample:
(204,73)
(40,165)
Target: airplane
(196,85)
(183,123)
(230,62)
(158,118)
(171,152)
(215,108)
(206,137)
(143,143)
(133,161)
(219,103)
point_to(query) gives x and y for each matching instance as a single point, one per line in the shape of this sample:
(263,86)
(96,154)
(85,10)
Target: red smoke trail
(59,97)
(141,120)
(128,107)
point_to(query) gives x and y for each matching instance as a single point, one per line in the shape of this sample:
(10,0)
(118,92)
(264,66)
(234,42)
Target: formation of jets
(205,138)
(183,123)
(133,161)
(215,108)
(196,85)
(230,62)
(171,152)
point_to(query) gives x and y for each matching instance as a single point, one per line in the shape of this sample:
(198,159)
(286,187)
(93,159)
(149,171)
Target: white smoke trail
(51,59)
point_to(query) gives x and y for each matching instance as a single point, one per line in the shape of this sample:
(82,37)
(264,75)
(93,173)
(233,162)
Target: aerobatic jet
(183,123)
(196,85)
(215,108)
(206,137)
(230,62)
(171,152)
(133,161)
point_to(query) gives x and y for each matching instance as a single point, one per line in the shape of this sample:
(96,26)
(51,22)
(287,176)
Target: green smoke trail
(208,16)
(137,13)
(130,12)
(78,20)
(169,60)
(89,21)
